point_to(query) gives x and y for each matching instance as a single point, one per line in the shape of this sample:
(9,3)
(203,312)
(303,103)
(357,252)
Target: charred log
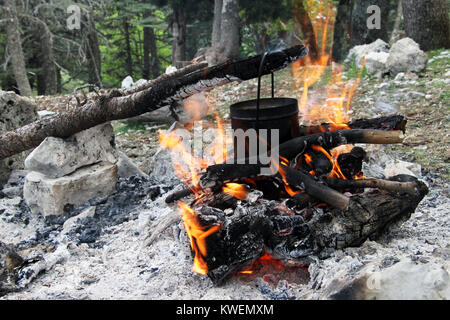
(252,230)
(317,190)
(351,163)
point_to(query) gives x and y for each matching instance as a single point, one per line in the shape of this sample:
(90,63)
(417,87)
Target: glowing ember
(265,260)
(197,235)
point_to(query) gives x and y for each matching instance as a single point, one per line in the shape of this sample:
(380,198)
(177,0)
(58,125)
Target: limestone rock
(56,157)
(49,196)
(396,167)
(127,83)
(15,112)
(405,55)
(404,280)
(359,52)
(376,62)
(126,167)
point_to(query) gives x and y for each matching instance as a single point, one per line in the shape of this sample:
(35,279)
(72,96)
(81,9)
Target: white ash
(116,261)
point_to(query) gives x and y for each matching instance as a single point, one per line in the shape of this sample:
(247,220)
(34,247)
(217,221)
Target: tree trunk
(229,39)
(427,23)
(47,58)
(341,30)
(397,23)
(128,61)
(95,62)
(155,67)
(58,81)
(166,91)
(217,23)
(303,23)
(146,52)
(151,61)
(360,33)
(15,49)
(179,37)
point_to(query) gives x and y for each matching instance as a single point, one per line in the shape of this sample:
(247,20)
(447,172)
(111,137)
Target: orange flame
(336,171)
(197,235)
(280,170)
(236,190)
(335,108)
(187,169)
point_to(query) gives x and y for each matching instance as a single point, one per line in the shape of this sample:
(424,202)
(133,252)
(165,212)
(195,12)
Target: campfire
(313,199)
(310,199)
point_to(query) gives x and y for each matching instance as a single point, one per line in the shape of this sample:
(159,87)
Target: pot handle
(259,88)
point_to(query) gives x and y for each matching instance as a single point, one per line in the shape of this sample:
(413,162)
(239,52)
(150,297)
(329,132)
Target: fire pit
(310,200)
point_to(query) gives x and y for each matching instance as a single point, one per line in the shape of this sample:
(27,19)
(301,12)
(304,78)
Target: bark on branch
(114,106)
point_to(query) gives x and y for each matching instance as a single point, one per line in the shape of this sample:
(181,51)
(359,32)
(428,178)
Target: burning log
(115,106)
(351,163)
(394,122)
(250,231)
(319,191)
(178,195)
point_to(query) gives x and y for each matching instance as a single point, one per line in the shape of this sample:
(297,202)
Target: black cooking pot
(268,113)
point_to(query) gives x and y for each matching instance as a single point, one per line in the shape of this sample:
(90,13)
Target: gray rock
(405,55)
(49,196)
(12,192)
(415,95)
(162,168)
(56,157)
(126,167)
(409,281)
(396,167)
(403,280)
(384,106)
(359,52)
(127,83)
(15,112)
(376,62)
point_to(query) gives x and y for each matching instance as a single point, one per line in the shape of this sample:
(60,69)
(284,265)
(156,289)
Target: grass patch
(439,64)
(352,70)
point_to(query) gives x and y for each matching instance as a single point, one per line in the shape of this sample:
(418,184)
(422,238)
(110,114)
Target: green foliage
(352,71)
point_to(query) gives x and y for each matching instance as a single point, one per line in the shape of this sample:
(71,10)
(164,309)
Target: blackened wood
(178,195)
(301,200)
(394,122)
(252,230)
(113,106)
(351,163)
(221,173)
(317,190)
(391,186)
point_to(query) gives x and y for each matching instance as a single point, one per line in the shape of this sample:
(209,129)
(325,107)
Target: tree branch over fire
(115,105)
